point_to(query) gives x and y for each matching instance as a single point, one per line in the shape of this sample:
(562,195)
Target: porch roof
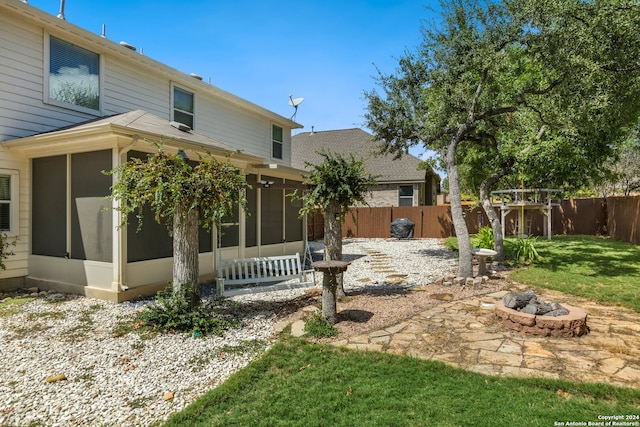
(133,126)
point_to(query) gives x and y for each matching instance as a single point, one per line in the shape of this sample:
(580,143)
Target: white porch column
(119,245)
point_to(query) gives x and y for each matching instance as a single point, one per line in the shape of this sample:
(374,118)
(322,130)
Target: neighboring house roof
(305,147)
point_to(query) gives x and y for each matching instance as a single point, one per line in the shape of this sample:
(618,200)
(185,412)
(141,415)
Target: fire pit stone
(572,324)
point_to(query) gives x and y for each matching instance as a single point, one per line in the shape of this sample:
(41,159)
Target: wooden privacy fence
(623,218)
(618,217)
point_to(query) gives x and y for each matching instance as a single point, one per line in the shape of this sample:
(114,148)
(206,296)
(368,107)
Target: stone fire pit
(558,324)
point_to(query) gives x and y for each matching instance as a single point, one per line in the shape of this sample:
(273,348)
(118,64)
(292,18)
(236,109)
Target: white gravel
(128,380)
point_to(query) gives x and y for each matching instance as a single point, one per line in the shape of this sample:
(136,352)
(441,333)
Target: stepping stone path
(380,264)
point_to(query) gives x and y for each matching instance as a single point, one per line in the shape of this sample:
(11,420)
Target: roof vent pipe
(104,31)
(61,14)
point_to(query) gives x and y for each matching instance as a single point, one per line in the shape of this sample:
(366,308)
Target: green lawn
(301,384)
(590,266)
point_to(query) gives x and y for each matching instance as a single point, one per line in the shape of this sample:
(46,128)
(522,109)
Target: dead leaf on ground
(441,297)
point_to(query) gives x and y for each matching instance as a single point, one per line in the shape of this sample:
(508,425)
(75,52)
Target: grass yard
(589,266)
(297,383)
(301,384)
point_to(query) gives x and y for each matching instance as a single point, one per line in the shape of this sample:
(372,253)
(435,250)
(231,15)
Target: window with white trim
(8,200)
(276,141)
(405,195)
(183,107)
(74,75)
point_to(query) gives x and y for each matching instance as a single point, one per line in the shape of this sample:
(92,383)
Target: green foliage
(173,312)
(337,179)
(317,326)
(452,243)
(623,168)
(522,249)
(484,238)
(5,251)
(166,181)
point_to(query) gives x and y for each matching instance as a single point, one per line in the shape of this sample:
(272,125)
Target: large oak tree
(486,68)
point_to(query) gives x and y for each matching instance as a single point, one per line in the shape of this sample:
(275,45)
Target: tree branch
(476,96)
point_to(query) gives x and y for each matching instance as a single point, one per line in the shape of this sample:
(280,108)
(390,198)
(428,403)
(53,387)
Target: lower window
(405,195)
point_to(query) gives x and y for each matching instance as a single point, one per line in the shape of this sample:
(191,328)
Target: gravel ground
(139,380)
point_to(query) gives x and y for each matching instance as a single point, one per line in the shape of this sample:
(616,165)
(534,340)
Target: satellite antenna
(294,102)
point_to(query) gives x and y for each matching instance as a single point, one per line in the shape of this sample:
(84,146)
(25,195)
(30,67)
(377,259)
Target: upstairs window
(405,193)
(276,142)
(183,108)
(74,75)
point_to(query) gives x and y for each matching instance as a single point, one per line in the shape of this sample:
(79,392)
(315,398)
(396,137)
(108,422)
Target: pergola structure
(522,199)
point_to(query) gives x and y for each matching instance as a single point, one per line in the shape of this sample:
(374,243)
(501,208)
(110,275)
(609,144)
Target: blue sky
(322,50)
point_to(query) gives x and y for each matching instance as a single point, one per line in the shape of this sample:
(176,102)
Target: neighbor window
(74,75)
(183,108)
(276,141)
(405,193)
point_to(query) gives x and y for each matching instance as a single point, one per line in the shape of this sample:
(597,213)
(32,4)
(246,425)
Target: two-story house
(74,104)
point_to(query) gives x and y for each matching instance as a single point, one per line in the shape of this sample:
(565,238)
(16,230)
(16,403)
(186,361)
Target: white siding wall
(22,112)
(126,87)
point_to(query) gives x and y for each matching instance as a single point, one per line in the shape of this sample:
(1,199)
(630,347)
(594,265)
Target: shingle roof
(146,122)
(137,121)
(306,145)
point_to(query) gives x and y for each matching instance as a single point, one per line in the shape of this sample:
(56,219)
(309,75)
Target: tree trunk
(185,253)
(498,238)
(333,240)
(465,268)
(329,304)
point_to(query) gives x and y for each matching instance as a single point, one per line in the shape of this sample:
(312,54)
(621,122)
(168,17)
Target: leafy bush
(484,238)
(451,243)
(5,252)
(523,250)
(171,312)
(317,326)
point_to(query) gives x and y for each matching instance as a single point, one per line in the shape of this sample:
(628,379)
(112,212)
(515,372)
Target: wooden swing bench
(261,274)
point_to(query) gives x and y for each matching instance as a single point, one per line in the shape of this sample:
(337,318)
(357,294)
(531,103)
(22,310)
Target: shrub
(5,252)
(451,243)
(317,326)
(523,250)
(171,312)
(484,238)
